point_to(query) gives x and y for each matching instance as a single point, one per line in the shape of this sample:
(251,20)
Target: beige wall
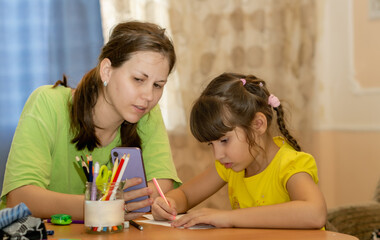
(347,121)
(349,165)
(366,37)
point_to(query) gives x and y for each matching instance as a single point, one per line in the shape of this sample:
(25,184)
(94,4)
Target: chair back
(377,192)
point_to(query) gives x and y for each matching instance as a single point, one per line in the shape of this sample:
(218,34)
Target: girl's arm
(189,194)
(307,209)
(165,184)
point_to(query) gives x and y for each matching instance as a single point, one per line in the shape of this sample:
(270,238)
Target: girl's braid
(281,124)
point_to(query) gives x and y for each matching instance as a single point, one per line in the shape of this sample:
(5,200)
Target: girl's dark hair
(126,39)
(226,104)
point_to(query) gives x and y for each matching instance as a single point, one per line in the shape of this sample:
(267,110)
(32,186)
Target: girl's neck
(264,157)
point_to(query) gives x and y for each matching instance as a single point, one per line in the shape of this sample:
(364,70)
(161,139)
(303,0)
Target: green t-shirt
(42,154)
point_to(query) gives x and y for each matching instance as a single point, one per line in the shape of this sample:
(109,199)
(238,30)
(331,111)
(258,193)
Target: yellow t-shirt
(269,186)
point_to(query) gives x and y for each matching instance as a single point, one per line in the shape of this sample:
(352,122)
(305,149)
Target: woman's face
(135,87)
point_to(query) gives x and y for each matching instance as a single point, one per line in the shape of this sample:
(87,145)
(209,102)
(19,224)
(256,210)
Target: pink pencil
(160,191)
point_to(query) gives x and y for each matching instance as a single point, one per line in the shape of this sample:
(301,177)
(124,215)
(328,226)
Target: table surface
(77,231)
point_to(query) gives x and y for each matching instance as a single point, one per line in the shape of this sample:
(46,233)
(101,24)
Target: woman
(115,104)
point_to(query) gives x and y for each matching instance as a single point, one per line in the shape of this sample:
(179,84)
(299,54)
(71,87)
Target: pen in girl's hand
(161,193)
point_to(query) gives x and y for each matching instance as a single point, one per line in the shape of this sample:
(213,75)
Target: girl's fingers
(161,210)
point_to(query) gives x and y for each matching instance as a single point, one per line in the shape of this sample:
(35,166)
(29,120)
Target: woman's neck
(106,120)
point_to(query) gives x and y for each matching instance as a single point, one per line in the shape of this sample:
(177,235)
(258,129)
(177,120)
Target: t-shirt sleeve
(300,162)
(29,160)
(157,156)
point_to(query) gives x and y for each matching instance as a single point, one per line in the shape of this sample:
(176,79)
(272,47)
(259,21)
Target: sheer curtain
(39,41)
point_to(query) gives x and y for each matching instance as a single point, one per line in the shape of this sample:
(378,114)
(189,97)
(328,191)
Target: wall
(347,123)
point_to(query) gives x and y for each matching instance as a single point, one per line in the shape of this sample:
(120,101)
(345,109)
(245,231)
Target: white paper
(168,223)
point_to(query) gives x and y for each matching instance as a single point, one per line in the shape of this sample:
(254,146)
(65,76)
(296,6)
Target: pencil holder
(104,207)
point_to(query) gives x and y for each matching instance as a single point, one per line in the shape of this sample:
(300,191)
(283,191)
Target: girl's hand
(162,211)
(133,194)
(215,217)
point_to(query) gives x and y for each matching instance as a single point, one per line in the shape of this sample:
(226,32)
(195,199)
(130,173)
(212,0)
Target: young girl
(271,183)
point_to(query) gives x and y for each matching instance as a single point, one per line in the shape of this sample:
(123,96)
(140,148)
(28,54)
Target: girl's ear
(260,123)
(105,70)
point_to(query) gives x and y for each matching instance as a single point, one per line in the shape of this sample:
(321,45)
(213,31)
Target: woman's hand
(215,217)
(133,194)
(162,211)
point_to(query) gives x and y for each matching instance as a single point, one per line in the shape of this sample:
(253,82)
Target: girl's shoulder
(291,161)
(288,152)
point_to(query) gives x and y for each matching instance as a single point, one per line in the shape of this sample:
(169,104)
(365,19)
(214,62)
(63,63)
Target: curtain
(41,40)
(274,40)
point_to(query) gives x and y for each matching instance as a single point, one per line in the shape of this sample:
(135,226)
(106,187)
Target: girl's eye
(223,140)
(209,144)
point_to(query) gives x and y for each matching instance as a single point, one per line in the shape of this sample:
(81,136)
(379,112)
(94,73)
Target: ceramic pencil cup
(104,207)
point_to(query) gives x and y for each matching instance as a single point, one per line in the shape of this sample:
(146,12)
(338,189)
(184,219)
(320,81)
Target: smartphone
(134,168)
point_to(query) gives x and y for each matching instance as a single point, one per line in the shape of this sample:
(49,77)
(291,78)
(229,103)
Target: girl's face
(136,87)
(232,150)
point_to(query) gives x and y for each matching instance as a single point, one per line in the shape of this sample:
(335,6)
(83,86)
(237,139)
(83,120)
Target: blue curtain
(40,40)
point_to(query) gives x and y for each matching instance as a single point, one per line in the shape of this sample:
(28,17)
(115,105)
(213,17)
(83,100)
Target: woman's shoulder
(54,92)
(50,95)
(152,119)
(46,97)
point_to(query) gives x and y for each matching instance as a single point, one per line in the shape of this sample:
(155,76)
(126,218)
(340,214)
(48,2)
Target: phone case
(135,168)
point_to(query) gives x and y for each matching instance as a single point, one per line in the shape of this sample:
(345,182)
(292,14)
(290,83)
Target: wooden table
(151,232)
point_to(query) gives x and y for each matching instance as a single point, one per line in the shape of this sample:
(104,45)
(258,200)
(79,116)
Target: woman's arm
(307,209)
(44,203)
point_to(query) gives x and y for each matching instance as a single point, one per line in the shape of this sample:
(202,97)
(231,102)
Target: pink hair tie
(273,101)
(243,81)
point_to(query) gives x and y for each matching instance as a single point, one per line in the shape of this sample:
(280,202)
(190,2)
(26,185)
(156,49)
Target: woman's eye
(157,86)
(209,144)
(138,79)
(224,140)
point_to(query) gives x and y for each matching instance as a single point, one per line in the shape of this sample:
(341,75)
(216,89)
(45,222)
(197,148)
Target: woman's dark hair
(227,103)
(126,39)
